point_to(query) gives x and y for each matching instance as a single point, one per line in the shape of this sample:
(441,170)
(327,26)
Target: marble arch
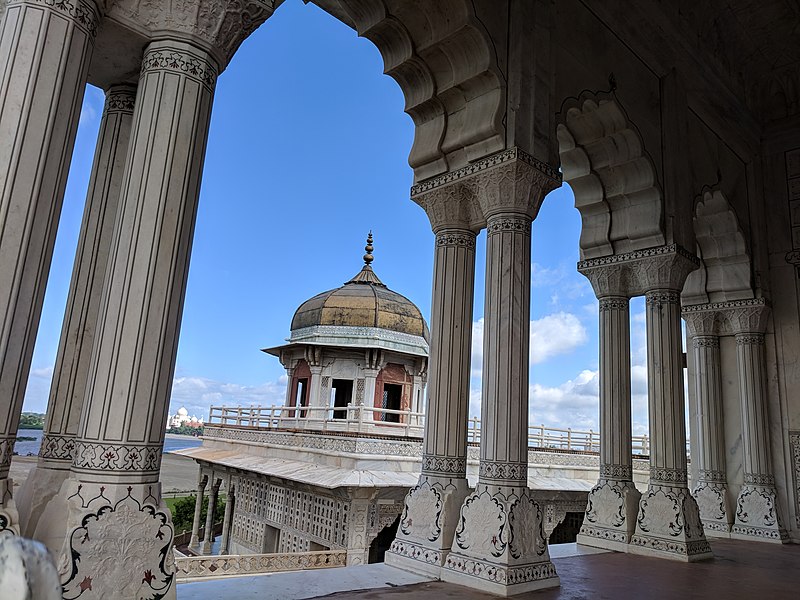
(604,161)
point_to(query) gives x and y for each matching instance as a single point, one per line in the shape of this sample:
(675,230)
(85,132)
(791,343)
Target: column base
(757,516)
(118,543)
(499,545)
(669,526)
(711,498)
(610,515)
(9,517)
(427,525)
(43,482)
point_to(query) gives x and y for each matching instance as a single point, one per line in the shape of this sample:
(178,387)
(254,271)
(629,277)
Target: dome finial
(368,258)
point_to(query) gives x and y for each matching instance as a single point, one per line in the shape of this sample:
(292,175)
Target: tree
(183,512)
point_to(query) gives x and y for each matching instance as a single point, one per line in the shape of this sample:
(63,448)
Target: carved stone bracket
(727,318)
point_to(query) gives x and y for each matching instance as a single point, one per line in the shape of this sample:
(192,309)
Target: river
(31,447)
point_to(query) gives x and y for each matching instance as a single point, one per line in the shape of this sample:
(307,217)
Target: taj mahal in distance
(677,127)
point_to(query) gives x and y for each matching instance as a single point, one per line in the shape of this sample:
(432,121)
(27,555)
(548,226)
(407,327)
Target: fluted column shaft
(708,389)
(227,521)
(445,445)
(198,511)
(134,355)
(615,388)
(506,340)
(45,50)
(208,537)
(83,307)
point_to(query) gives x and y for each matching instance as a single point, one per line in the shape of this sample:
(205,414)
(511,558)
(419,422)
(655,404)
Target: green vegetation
(186,430)
(183,512)
(30,420)
(25,438)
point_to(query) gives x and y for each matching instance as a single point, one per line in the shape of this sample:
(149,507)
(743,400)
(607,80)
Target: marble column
(499,543)
(194,541)
(708,443)
(431,511)
(669,520)
(45,48)
(757,512)
(120,438)
(613,503)
(83,307)
(315,393)
(208,535)
(227,522)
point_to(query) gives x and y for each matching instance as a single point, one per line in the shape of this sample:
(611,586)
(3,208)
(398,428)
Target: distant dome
(362,308)
(182,411)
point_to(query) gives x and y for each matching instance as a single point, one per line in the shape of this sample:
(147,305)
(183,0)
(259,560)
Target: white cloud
(574,403)
(555,334)
(197,394)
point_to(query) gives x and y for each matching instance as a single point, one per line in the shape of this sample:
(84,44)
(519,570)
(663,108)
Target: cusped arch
(444,62)
(613,180)
(725,272)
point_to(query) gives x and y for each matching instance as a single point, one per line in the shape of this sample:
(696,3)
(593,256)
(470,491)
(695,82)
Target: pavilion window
(341,396)
(392,394)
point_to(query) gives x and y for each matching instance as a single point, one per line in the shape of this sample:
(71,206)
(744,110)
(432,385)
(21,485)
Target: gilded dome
(363,302)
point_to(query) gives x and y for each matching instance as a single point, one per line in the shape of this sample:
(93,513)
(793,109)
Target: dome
(361,310)
(182,411)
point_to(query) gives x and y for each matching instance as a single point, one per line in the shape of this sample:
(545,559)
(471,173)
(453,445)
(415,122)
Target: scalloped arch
(725,272)
(444,62)
(613,179)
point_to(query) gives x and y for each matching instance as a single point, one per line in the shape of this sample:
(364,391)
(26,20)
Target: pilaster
(227,522)
(45,48)
(83,308)
(431,511)
(499,543)
(710,488)
(194,541)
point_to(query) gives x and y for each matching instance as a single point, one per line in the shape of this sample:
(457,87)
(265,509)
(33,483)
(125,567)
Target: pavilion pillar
(227,522)
(315,392)
(194,541)
(499,545)
(708,442)
(613,503)
(757,512)
(114,491)
(430,515)
(669,520)
(45,48)
(208,534)
(83,308)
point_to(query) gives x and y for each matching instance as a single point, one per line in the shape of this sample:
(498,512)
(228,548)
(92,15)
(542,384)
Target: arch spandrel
(725,273)
(604,161)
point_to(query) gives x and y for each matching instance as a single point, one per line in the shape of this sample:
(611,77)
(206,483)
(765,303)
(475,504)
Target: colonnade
(203,546)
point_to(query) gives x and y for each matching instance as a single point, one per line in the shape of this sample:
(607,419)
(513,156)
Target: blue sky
(307,152)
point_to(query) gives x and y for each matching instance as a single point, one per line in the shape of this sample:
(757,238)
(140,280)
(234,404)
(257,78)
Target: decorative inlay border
(180,61)
(500,223)
(446,465)
(705,341)
(462,240)
(57,446)
(612,471)
(660,474)
(414,343)
(638,255)
(83,13)
(717,306)
(500,574)
(711,476)
(794,443)
(494,160)
(120,101)
(121,458)
(750,339)
(759,479)
(490,470)
(658,297)
(613,303)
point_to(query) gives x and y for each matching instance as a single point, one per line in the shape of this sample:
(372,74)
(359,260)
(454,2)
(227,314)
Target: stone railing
(189,568)
(378,421)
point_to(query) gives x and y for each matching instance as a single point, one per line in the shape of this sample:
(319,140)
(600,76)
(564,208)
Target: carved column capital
(748,316)
(611,280)
(451,206)
(217,26)
(701,320)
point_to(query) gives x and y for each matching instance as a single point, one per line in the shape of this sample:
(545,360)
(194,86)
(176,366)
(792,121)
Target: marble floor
(740,570)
